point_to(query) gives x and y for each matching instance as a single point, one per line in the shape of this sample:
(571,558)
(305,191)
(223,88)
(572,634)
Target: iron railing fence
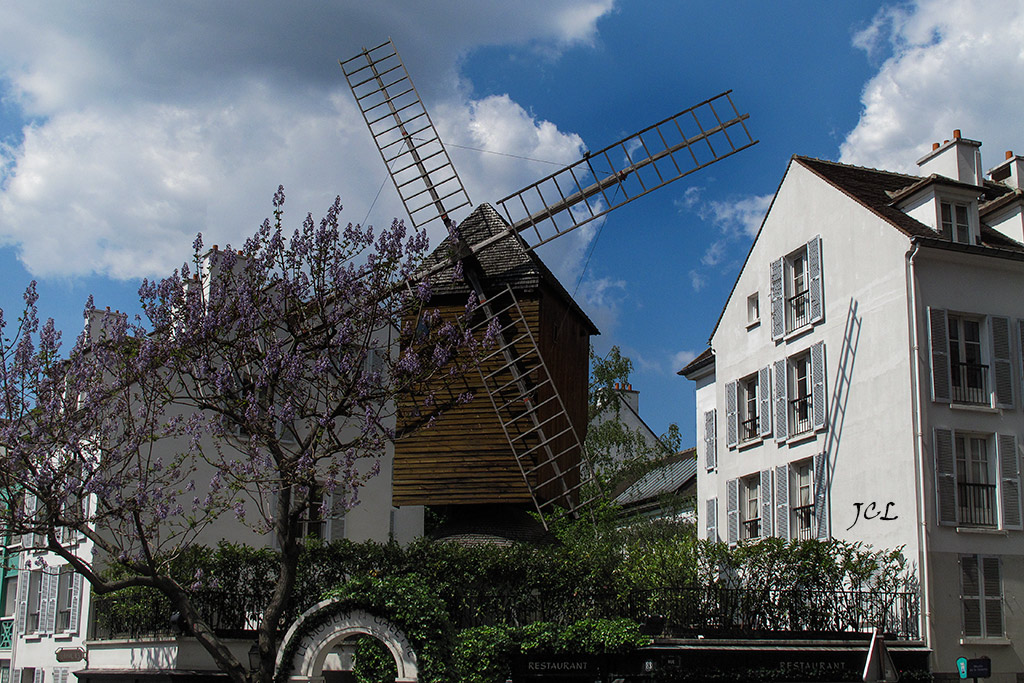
(970,383)
(799,306)
(682,611)
(800,410)
(977,503)
(804,517)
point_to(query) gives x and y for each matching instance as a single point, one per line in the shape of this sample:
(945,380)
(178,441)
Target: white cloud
(681,358)
(154,122)
(952,64)
(697,281)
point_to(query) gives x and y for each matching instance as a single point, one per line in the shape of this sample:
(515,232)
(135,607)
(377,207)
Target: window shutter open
(777,301)
(731,415)
(38,677)
(1002,365)
(76,601)
(1009,473)
(1020,350)
(970,595)
(818,385)
(16,675)
(945,476)
(816,289)
(764,402)
(711,521)
(710,441)
(782,502)
(23,581)
(992,592)
(766,503)
(938,344)
(820,496)
(28,540)
(51,601)
(732,509)
(781,401)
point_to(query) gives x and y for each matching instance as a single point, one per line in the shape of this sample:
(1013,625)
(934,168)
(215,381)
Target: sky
(127,128)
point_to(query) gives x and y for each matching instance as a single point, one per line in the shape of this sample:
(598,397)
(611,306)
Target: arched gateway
(325,635)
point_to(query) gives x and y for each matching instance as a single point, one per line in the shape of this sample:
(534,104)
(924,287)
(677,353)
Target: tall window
(796,289)
(748,408)
(314,523)
(797,292)
(975,481)
(35,601)
(65,598)
(800,408)
(803,511)
(750,507)
(954,222)
(967,373)
(981,595)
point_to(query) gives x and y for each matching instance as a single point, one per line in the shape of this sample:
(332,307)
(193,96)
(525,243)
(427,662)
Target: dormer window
(954,222)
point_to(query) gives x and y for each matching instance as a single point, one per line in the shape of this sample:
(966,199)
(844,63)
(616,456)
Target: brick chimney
(958,159)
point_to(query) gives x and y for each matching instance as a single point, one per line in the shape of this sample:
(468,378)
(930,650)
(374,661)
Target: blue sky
(125,128)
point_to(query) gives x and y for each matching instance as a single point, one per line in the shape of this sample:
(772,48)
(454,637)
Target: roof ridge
(856,166)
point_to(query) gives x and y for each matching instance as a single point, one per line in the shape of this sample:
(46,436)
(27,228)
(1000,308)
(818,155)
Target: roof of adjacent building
(674,475)
(706,358)
(505,262)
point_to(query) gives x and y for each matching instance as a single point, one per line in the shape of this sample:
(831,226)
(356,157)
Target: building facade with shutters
(865,382)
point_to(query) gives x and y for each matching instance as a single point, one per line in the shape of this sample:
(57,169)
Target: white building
(865,381)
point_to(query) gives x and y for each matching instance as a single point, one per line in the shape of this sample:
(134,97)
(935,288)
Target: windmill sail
(626,170)
(405,136)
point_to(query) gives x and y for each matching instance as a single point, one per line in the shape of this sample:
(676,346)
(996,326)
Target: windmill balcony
(977,504)
(970,384)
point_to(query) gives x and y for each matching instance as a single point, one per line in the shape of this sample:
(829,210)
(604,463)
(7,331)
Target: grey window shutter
(28,540)
(821,496)
(15,675)
(711,521)
(938,343)
(51,602)
(992,592)
(782,502)
(732,509)
(781,401)
(336,522)
(731,415)
(764,402)
(38,678)
(766,503)
(710,441)
(818,384)
(1020,349)
(1009,473)
(1002,365)
(816,289)
(76,601)
(945,476)
(23,581)
(970,595)
(778,300)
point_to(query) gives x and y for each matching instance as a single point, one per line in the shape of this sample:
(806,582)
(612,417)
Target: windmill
(537,428)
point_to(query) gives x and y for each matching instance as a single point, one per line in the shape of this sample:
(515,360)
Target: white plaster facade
(817,413)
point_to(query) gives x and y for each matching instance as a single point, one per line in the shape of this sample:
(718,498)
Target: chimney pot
(215,247)
(956,133)
(1009,154)
(108,309)
(945,141)
(935,146)
(239,252)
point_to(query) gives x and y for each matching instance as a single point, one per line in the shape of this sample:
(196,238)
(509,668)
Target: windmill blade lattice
(626,170)
(411,149)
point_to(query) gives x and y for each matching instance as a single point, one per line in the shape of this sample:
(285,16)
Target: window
(800,393)
(34,602)
(971,359)
(981,595)
(975,482)
(710,439)
(954,222)
(313,524)
(977,479)
(803,499)
(65,599)
(967,373)
(796,290)
(750,509)
(753,310)
(748,409)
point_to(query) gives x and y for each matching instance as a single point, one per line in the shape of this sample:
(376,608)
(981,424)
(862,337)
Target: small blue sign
(961,666)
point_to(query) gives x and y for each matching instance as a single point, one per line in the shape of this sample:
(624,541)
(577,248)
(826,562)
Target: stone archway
(324,628)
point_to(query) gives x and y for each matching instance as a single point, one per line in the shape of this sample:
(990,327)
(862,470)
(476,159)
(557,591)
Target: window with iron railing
(975,481)
(752,528)
(801,413)
(968,375)
(970,383)
(798,310)
(977,504)
(748,409)
(751,510)
(804,517)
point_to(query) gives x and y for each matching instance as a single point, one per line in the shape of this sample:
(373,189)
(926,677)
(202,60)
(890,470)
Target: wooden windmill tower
(522,443)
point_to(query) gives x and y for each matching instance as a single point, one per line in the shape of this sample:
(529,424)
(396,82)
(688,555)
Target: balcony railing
(804,516)
(6,632)
(977,503)
(798,307)
(970,384)
(800,410)
(752,528)
(748,429)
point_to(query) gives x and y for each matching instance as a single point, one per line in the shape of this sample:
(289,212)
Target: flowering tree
(260,381)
